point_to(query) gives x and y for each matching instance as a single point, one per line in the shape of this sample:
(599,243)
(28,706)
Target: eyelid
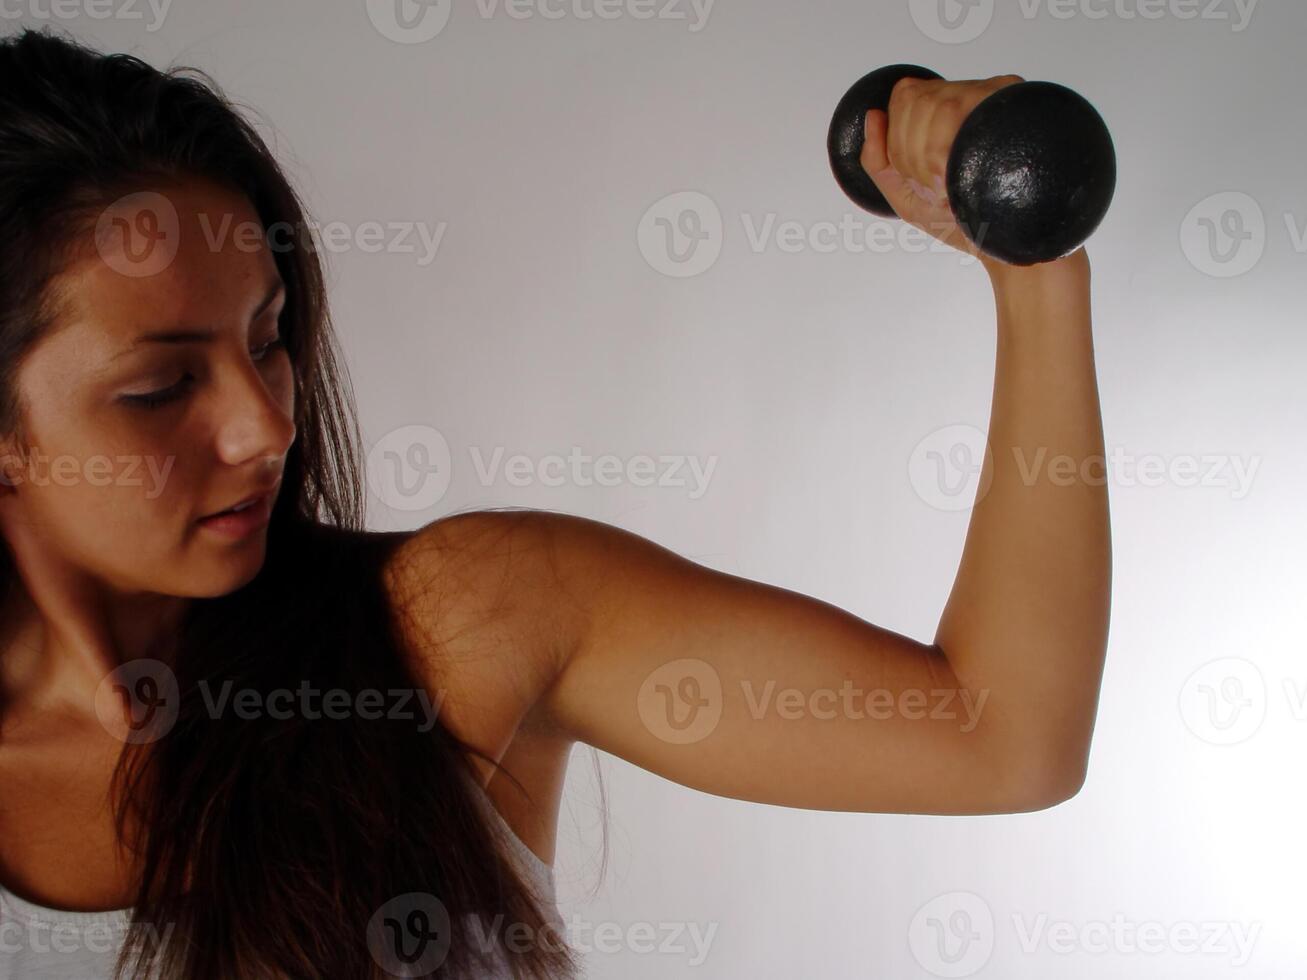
(161,390)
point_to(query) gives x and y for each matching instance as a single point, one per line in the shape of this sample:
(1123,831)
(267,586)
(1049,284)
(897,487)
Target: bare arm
(747,690)
(1029,610)
(743,689)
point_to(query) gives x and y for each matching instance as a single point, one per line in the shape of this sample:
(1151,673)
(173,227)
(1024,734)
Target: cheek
(110,489)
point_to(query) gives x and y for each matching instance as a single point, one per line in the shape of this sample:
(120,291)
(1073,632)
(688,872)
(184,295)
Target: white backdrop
(517,297)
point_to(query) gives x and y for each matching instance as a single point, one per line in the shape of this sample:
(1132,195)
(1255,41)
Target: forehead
(192,254)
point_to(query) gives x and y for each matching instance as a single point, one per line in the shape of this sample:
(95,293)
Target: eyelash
(154,399)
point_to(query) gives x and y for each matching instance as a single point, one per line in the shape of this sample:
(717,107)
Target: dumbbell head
(847,133)
(1030,174)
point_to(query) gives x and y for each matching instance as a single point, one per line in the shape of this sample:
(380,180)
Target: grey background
(818,380)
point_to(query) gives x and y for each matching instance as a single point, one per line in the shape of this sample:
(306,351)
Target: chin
(222,575)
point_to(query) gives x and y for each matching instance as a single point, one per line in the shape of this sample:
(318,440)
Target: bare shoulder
(488,611)
(486,620)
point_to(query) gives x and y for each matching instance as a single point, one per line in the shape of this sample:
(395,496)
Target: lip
(243,523)
(270,491)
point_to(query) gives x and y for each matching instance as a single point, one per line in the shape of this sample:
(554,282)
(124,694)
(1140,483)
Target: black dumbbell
(1030,174)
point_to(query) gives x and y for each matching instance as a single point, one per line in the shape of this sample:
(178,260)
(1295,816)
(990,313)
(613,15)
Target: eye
(275,344)
(153,399)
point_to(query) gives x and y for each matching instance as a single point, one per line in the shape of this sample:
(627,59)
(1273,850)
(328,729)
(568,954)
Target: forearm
(1027,618)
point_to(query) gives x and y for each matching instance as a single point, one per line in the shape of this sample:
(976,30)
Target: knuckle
(950,106)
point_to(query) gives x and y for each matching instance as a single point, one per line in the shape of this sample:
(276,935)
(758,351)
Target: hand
(906,153)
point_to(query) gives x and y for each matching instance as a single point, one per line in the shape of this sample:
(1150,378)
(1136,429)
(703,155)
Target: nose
(257,421)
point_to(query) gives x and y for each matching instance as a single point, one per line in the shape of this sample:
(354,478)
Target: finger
(945,120)
(920,138)
(900,108)
(875,129)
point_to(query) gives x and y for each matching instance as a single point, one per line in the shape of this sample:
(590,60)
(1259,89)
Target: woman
(167,753)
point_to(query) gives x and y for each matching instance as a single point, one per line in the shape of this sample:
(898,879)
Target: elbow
(1046,795)
(1041,784)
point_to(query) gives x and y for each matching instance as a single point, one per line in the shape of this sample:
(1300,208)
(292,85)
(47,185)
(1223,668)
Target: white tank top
(39,943)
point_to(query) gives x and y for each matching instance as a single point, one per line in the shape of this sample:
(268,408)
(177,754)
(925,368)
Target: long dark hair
(267,844)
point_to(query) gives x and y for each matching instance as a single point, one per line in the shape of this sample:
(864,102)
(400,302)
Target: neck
(43,667)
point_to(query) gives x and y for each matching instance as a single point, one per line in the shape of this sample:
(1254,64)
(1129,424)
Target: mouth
(257,504)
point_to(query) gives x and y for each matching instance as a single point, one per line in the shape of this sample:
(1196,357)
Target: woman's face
(134,428)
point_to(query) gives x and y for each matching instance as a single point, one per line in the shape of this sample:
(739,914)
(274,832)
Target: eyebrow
(195,336)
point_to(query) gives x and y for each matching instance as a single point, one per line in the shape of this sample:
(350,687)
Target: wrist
(1069,270)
